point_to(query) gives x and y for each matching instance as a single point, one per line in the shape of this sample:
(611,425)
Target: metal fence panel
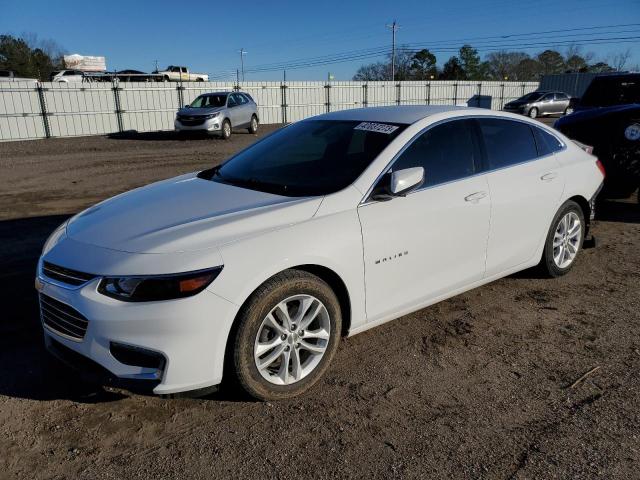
(20,112)
(103,107)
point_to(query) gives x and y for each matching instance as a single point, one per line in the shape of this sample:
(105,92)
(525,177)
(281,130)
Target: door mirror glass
(403,181)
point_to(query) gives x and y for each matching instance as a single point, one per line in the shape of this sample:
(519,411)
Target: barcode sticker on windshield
(376,127)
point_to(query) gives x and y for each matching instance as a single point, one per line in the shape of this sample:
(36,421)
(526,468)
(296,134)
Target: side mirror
(398,184)
(403,181)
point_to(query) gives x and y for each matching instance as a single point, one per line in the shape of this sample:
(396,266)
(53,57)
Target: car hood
(185,214)
(194,112)
(582,114)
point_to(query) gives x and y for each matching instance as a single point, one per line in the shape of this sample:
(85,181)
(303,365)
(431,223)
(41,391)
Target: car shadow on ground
(625,211)
(168,135)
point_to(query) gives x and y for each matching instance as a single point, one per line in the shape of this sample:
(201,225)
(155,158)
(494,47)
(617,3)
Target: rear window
(546,142)
(507,142)
(609,91)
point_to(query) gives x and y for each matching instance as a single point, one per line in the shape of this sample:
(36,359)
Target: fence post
(398,94)
(180,89)
(523,88)
(365,95)
(283,93)
(43,111)
(502,96)
(479,94)
(327,103)
(428,99)
(116,98)
(455,93)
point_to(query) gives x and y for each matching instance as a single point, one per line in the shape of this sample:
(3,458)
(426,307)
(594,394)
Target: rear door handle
(475,197)
(547,177)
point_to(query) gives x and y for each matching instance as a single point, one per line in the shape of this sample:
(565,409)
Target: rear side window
(447,152)
(507,142)
(546,142)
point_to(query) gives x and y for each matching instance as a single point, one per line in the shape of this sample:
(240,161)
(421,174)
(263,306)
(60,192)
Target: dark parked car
(607,117)
(537,104)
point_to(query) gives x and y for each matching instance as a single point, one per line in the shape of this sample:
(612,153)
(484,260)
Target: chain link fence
(45,110)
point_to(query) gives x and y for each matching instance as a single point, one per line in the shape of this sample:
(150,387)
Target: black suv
(607,117)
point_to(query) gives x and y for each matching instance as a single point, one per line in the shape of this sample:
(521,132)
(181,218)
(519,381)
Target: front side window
(447,152)
(507,142)
(308,158)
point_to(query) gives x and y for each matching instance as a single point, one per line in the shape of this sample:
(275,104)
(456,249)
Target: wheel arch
(326,274)
(586,210)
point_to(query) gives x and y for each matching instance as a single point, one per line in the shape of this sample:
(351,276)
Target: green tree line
(501,65)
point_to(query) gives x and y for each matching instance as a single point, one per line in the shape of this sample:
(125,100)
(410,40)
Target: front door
(433,241)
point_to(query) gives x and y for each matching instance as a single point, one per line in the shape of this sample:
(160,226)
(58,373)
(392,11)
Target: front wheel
(533,113)
(226,130)
(287,334)
(564,240)
(253,125)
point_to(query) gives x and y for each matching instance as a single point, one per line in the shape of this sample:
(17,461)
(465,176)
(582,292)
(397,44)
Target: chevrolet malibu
(252,271)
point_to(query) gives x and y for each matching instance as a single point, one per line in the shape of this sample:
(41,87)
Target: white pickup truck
(9,76)
(176,74)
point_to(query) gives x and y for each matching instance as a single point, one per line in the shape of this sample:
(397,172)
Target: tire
(225,131)
(287,342)
(253,125)
(533,112)
(560,250)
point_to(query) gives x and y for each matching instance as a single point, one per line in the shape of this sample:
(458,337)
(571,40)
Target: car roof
(406,114)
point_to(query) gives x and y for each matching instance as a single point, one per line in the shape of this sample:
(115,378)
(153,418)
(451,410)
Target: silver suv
(536,104)
(219,113)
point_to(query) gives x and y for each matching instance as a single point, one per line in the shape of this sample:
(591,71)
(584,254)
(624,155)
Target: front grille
(62,319)
(66,275)
(191,121)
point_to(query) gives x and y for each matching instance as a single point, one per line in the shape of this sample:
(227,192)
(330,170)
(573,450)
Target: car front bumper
(213,125)
(188,335)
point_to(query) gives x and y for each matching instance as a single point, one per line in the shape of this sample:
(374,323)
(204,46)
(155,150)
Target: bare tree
(620,59)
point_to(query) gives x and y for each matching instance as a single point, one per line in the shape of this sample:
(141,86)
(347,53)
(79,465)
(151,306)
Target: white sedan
(252,271)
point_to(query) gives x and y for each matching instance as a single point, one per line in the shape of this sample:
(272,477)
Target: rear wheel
(287,334)
(533,112)
(253,125)
(226,130)
(564,240)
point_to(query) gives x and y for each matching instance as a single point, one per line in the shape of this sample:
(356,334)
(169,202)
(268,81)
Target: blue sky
(206,37)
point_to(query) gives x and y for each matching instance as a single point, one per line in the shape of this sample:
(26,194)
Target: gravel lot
(474,387)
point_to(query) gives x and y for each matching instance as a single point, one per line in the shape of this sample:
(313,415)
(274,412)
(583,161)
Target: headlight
(55,237)
(213,115)
(157,287)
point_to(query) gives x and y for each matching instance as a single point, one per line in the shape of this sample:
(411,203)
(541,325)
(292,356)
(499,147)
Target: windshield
(530,97)
(210,101)
(312,157)
(606,92)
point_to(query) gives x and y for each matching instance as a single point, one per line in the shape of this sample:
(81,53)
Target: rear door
(433,241)
(561,101)
(526,184)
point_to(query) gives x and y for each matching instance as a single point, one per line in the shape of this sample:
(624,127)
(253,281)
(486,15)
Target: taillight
(601,168)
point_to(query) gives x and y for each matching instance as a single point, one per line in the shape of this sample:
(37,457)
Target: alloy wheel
(292,339)
(566,240)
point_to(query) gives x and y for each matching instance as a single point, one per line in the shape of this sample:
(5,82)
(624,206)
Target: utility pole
(394,27)
(242,54)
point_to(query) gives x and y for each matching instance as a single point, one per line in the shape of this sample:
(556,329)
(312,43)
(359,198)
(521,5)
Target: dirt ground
(478,386)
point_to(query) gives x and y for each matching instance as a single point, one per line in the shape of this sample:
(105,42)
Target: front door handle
(547,177)
(475,197)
